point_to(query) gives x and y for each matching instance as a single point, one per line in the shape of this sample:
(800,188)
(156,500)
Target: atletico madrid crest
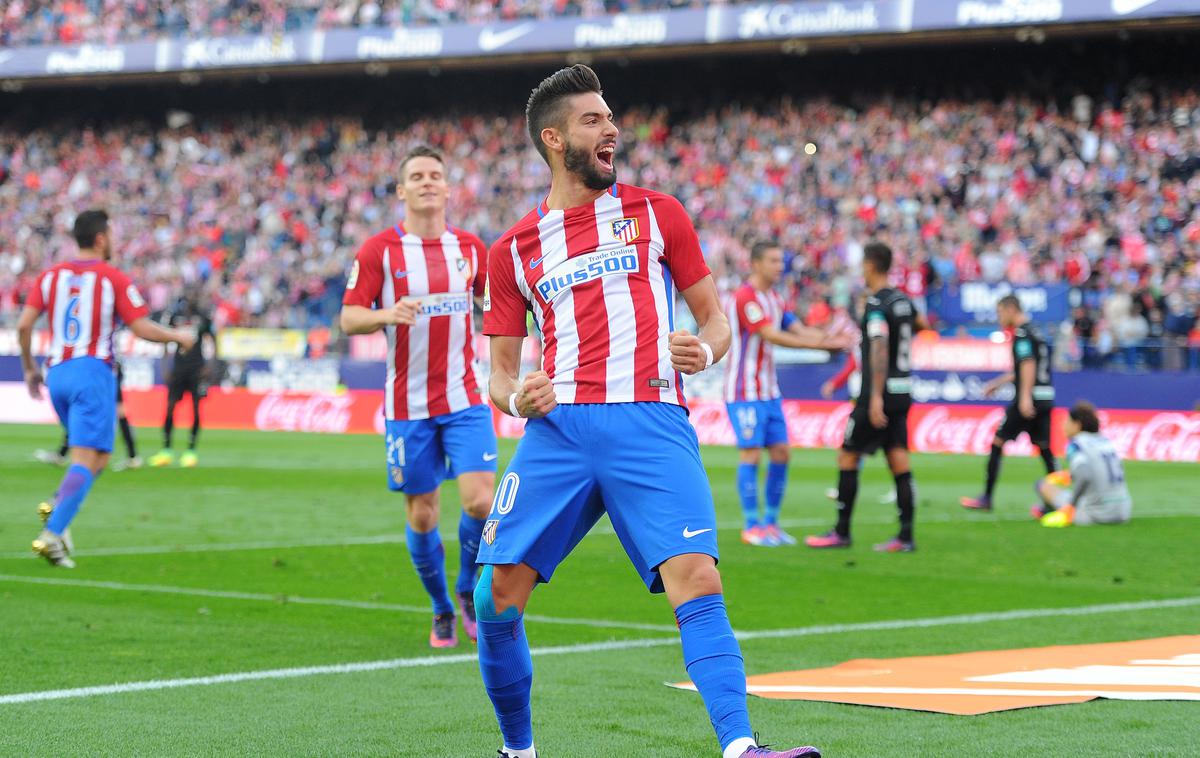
(625,229)
(489,531)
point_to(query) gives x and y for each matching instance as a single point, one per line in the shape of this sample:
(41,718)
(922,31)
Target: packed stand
(48,22)
(263,216)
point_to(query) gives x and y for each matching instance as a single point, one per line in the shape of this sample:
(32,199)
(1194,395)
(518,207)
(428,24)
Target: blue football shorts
(422,454)
(758,423)
(84,394)
(637,462)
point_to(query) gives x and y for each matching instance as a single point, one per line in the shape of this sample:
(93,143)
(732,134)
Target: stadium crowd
(44,22)
(264,215)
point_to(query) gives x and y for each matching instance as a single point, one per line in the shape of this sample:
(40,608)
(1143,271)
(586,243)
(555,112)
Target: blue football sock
(747,485)
(469,531)
(776,483)
(74,488)
(429,559)
(714,662)
(508,676)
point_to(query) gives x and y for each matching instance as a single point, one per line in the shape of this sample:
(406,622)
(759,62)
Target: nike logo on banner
(401,274)
(490,40)
(490,456)
(535,262)
(1125,7)
(688,534)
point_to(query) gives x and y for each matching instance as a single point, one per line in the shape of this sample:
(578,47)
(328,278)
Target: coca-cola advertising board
(1137,434)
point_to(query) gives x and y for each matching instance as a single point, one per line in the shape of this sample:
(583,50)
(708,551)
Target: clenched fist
(687,356)
(536,397)
(403,312)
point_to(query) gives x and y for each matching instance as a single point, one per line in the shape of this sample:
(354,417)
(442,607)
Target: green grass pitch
(283,550)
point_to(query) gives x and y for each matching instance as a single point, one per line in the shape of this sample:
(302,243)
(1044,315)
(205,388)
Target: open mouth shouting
(604,156)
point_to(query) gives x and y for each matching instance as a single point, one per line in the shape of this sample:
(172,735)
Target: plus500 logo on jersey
(588,268)
(445,304)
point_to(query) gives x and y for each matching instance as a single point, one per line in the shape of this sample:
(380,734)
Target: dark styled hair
(760,248)
(420,151)
(545,106)
(89,224)
(880,256)
(1009,301)
(1084,414)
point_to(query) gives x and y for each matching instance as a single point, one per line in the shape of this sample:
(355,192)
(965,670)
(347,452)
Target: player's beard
(581,162)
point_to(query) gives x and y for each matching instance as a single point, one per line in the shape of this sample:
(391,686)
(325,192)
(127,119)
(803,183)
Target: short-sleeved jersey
(85,300)
(600,280)
(431,367)
(1098,478)
(750,365)
(888,315)
(1028,345)
(199,323)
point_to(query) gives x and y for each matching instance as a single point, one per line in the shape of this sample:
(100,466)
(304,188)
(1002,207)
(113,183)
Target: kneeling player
(881,421)
(420,276)
(1094,490)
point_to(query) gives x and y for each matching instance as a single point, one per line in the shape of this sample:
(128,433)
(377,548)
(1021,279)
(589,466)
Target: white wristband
(512,406)
(708,356)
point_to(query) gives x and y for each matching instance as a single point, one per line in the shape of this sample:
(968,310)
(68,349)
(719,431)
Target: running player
(415,281)
(62,455)
(598,264)
(1093,489)
(752,396)
(1033,404)
(85,298)
(880,416)
(186,375)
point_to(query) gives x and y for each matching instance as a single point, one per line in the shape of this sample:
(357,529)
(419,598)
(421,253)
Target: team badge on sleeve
(489,531)
(625,229)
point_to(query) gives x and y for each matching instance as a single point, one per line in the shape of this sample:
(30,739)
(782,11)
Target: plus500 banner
(975,302)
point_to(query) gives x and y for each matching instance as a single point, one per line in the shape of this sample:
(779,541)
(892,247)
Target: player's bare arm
(879,370)
(33,375)
(804,337)
(357,319)
(151,331)
(688,353)
(990,388)
(531,397)
(1025,402)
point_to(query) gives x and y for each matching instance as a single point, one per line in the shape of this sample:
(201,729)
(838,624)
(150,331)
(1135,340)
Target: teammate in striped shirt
(85,298)
(417,281)
(752,396)
(598,264)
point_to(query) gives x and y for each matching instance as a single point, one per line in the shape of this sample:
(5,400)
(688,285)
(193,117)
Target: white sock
(528,752)
(737,747)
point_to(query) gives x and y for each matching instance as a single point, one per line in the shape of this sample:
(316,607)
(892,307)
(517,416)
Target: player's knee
(485,600)
(423,511)
(780,454)
(478,509)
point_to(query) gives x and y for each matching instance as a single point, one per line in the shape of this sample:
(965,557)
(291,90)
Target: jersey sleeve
(876,321)
(34,299)
(1081,471)
(1022,348)
(504,307)
(788,319)
(128,302)
(366,277)
(479,264)
(681,246)
(750,314)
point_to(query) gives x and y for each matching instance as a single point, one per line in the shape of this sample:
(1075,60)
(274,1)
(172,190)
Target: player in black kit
(1034,400)
(186,375)
(880,415)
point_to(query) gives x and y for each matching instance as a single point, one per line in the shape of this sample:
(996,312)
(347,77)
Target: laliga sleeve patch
(877,325)
(754,313)
(134,296)
(353,276)
(1024,349)
(487,293)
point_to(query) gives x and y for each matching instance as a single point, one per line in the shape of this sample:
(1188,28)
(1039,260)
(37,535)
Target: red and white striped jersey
(750,366)
(431,368)
(84,300)
(600,280)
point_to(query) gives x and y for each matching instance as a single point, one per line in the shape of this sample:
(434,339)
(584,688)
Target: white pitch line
(605,529)
(400,663)
(284,599)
